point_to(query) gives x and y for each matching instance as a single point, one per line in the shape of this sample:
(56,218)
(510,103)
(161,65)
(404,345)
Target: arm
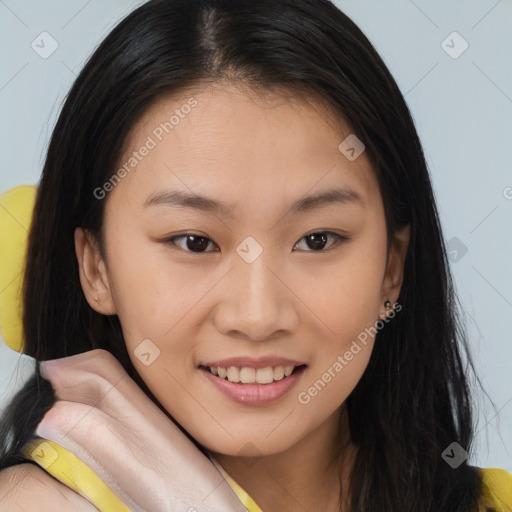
(108,422)
(28,488)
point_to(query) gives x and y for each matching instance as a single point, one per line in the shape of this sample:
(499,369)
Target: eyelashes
(196,243)
(338,239)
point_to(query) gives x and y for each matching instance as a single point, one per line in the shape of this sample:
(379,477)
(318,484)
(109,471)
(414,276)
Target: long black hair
(413,400)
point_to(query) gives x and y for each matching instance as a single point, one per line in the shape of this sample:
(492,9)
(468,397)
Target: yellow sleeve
(496,490)
(71,471)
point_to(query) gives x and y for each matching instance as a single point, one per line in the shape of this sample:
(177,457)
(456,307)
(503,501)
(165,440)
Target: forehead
(234,142)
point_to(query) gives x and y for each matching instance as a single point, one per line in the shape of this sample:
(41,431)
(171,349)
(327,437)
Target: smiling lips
(253,381)
(255,393)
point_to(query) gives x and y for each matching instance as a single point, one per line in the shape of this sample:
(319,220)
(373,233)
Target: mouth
(249,375)
(251,386)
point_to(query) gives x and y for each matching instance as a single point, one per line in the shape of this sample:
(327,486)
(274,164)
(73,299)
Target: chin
(251,446)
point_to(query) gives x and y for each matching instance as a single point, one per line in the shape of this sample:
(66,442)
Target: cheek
(340,359)
(331,382)
(156,299)
(349,304)
(151,291)
(345,293)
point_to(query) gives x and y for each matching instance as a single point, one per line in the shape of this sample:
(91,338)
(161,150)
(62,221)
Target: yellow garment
(497,490)
(16,207)
(71,471)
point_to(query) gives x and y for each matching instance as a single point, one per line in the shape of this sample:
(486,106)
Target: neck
(309,475)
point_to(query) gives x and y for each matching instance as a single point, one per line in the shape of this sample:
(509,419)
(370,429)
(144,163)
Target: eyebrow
(176,198)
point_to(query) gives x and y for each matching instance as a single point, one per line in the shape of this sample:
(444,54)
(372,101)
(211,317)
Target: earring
(96,299)
(387,305)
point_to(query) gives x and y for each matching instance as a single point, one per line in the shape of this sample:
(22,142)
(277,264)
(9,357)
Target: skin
(26,486)
(259,153)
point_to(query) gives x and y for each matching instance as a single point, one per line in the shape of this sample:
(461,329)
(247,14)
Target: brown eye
(316,241)
(192,242)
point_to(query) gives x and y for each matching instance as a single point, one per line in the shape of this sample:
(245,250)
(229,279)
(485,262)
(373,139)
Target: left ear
(393,278)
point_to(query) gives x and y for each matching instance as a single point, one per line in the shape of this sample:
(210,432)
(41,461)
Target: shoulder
(27,487)
(496,488)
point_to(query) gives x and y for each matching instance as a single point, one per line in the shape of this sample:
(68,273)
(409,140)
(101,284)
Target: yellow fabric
(16,207)
(497,490)
(71,471)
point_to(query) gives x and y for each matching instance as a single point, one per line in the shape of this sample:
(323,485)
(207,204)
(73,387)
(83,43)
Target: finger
(87,378)
(90,377)
(123,400)
(124,442)
(174,475)
(96,378)
(66,425)
(98,361)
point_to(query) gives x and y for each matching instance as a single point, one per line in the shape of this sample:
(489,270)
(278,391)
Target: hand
(106,420)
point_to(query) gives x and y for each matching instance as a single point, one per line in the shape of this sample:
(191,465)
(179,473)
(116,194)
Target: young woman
(236,260)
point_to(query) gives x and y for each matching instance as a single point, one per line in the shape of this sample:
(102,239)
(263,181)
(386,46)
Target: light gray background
(462,108)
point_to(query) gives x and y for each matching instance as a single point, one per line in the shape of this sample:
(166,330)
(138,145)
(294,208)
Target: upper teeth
(247,375)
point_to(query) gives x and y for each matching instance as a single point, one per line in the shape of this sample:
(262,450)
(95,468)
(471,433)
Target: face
(261,275)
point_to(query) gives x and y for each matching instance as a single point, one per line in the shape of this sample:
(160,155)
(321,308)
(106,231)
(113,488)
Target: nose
(258,304)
